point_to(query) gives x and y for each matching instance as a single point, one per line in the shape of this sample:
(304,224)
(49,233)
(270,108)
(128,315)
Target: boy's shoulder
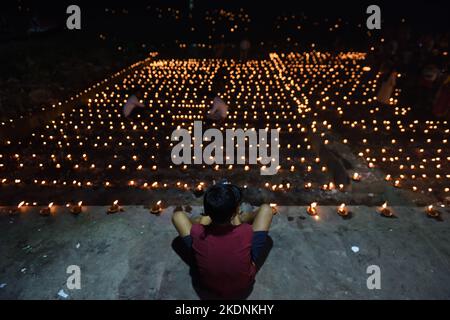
(199,229)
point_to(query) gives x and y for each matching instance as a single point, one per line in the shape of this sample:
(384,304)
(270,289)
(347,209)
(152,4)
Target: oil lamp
(115,207)
(312,210)
(342,210)
(46,211)
(198,191)
(156,208)
(385,212)
(16,209)
(431,212)
(76,209)
(20,205)
(356,177)
(274,208)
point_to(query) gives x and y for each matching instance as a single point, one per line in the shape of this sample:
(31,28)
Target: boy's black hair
(221,201)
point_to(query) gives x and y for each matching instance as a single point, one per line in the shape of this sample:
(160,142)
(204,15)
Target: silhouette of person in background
(133,106)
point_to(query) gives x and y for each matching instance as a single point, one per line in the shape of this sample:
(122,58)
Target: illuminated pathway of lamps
(156,208)
(302,76)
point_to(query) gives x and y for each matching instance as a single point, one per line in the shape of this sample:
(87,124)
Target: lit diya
(46,211)
(114,208)
(356,177)
(274,208)
(432,213)
(342,210)
(198,192)
(76,209)
(385,211)
(312,209)
(156,209)
(17,209)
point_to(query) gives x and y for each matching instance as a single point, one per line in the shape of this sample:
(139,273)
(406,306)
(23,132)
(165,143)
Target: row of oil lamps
(157,208)
(384,211)
(77,208)
(308,185)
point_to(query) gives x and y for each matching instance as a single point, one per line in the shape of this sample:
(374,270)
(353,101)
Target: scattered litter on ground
(23,270)
(62,294)
(78,245)
(2,285)
(355,249)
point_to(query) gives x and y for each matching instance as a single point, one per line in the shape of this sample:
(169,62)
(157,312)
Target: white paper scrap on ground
(2,285)
(62,294)
(355,249)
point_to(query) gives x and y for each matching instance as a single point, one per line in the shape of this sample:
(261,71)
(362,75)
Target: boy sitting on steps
(224,245)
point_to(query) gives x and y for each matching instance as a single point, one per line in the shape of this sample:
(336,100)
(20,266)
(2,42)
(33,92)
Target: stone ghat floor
(129,255)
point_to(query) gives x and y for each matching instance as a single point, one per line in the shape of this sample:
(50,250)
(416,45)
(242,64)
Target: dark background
(138,20)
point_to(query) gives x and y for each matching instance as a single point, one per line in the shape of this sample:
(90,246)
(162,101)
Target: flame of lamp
(342,210)
(76,209)
(385,210)
(312,211)
(46,211)
(114,208)
(156,208)
(431,212)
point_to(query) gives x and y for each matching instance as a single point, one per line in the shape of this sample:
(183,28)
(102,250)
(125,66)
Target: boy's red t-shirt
(223,256)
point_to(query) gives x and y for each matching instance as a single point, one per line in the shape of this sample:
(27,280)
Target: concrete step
(128,255)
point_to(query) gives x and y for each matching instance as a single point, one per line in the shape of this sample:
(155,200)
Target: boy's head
(221,202)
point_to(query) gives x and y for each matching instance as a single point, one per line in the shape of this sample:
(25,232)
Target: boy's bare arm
(204,220)
(263,219)
(249,217)
(260,218)
(181,222)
